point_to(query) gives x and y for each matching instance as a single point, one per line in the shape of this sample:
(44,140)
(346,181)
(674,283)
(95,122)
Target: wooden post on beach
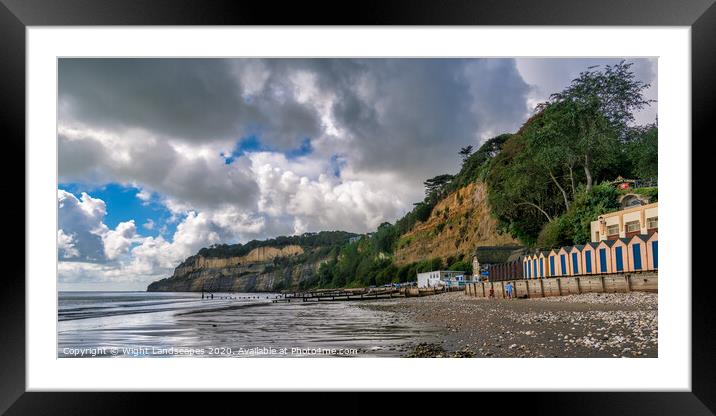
(541,287)
(579,290)
(628,283)
(559,285)
(601,279)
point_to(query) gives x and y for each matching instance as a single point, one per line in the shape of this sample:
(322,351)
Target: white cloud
(117,241)
(144,195)
(321,202)
(66,245)
(125,256)
(149,225)
(82,220)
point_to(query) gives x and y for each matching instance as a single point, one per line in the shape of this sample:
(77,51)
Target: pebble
(586,325)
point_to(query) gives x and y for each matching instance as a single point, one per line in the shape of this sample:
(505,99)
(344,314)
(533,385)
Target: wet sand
(588,325)
(183,324)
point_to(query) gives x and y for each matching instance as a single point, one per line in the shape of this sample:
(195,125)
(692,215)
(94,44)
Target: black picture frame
(16,15)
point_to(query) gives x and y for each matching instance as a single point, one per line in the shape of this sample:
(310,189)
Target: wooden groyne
(562,286)
(358,294)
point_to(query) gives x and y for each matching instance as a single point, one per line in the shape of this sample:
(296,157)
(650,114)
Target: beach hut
(620,260)
(575,260)
(535,268)
(563,261)
(527,267)
(652,251)
(553,264)
(604,256)
(636,253)
(589,258)
(542,262)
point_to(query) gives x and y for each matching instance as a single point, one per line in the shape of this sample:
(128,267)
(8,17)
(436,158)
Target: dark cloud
(415,114)
(199,182)
(189,99)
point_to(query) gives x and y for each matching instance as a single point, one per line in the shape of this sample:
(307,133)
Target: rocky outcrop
(459,224)
(258,255)
(261,270)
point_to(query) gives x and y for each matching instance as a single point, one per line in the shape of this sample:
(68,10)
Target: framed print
(428,198)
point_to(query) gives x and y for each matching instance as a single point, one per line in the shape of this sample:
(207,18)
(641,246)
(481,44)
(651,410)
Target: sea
(166,324)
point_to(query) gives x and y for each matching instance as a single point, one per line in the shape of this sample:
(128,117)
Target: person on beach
(508,287)
(492,293)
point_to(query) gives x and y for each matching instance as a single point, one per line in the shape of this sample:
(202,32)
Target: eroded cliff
(262,269)
(458,224)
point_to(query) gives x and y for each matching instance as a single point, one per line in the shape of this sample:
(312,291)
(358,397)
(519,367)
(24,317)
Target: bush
(573,227)
(423,266)
(552,235)
(436,263)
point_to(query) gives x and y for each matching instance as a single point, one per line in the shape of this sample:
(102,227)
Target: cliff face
(458,224)
(262,269)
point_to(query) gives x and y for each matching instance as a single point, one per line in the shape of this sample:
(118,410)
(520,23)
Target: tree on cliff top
(595,111)
(465,152)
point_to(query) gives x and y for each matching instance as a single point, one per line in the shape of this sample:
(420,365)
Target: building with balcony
(626,223)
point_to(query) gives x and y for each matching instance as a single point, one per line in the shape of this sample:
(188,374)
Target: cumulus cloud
(121,253)
(66,245)
(81,226)
(117,241)
(144,195)
(149,225)
(322,202)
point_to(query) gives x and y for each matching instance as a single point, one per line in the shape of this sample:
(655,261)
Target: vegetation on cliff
(541,185)
(321,239)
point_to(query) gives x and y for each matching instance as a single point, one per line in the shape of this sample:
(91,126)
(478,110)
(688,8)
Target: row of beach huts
(637,253)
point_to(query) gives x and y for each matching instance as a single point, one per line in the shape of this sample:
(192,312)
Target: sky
(161,157)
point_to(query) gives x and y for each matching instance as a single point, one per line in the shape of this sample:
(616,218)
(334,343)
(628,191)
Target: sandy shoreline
(588,325)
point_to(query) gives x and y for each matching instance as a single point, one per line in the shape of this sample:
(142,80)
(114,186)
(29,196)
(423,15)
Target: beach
(443,325)
(587,325)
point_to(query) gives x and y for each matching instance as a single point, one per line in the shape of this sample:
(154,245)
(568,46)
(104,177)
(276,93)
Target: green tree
(599,106)
(435,187)
(462,265)
(573,227)
(642,152)
(385,238)
(465,152)
(521,196)
(436,263)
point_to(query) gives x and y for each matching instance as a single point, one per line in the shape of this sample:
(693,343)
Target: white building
(438,278)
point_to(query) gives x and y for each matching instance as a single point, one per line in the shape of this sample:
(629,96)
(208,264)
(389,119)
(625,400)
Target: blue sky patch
(123,205)
(304,149)
(337,163)
(252,144)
